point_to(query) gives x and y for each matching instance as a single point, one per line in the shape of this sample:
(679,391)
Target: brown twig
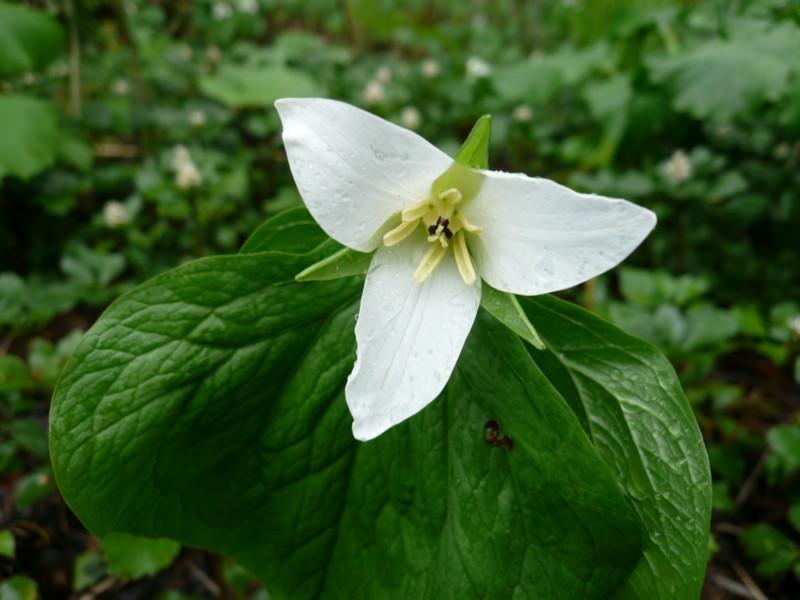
(730,586)
(748,581)
(204,579)
(749,484)
(74,61)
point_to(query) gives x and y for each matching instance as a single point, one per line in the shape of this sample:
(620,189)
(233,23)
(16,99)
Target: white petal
(409,337)
(354,170)
(540,237)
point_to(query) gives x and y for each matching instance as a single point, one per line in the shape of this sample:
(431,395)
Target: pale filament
(445,225)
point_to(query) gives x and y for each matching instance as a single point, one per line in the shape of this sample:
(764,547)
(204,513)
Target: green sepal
(344,263)
(474,152)
(506,308)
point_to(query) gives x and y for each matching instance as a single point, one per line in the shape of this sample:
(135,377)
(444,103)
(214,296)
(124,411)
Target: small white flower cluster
(221,11)
(375,90)
(794,325)
(678,168)
(197,118)
(213,54)
(249,7)
(430,68)
(187,175)
(410,117)
(523,113)
(477,68)
(121,87)
(115,214)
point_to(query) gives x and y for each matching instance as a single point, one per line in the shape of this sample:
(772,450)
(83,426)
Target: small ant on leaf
(494,436)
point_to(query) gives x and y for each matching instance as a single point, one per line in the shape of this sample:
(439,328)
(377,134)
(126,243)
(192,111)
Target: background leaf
(130,556)
(246,86)
(29,40)
(29,136)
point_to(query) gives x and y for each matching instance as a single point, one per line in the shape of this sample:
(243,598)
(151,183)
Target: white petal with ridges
(539,236)
(355,170)
(409,337)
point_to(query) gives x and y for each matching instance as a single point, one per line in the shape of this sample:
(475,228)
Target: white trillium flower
(437,229)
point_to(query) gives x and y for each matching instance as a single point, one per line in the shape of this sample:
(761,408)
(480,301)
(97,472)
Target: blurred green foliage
(136,135)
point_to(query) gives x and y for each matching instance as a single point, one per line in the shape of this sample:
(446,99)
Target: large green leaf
(722,78)
(29,135)
(632,404)
(207,406)
(539,79)
(29,40)
(245,86)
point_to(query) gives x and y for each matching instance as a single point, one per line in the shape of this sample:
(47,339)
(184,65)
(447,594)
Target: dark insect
(494,436)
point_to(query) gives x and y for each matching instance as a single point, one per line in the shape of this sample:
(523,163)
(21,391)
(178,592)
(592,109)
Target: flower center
(446,225)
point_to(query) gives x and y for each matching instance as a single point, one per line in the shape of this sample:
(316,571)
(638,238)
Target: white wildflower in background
(121,87)
(723,130)
(478,68)
(437,228)
(185,52)
(479,20)
(794,325)
(197,118)
(383,75)
(115,214)
(29,78)
(782,150)
(374,92)
(430,68)
(523,113)
(221,10)
(213,53)
(249,7)
(410,117)
(187,175)
(59,70)
(678,168)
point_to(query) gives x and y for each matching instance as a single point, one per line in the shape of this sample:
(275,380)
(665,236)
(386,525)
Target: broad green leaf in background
(639,420)
(29,40)
(34,486)
(18,587)
(539,78)
(29,136)
(721,78)
(87,570)
(7,544)
(257,87)
(134,557)
(215,391)
(14,374)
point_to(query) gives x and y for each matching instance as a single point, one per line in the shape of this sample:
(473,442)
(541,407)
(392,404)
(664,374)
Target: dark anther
(447,233)
(445,223)
(438,220)
(432,229)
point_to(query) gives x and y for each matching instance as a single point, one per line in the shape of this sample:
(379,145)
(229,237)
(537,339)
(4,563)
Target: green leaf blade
(216,392)
(642,425)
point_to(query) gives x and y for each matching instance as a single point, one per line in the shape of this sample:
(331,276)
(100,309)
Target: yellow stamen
(417,211)
(465,224)
(450,196)
(399,233)
(463,261)
(429,262)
